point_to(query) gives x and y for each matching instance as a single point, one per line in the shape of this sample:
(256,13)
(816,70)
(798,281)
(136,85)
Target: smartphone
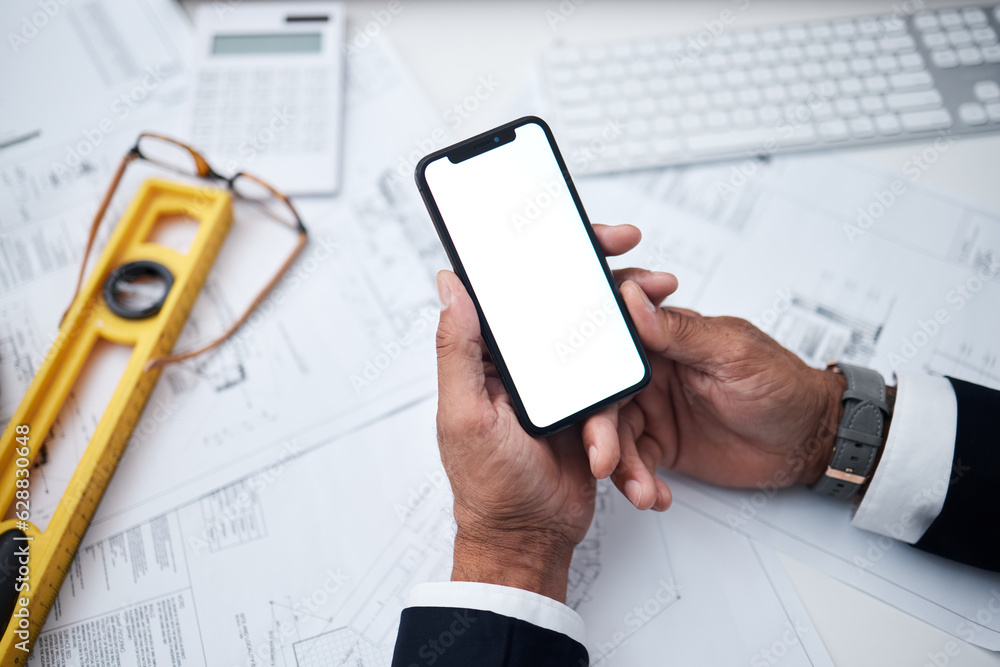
(512,223)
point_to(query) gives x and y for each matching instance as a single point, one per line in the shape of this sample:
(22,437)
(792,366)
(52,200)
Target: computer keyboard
(740,92)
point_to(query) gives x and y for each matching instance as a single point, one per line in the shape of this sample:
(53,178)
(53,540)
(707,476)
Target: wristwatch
(860,435)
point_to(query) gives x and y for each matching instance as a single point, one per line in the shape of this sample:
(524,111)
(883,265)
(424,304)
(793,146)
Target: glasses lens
(263,198)
(167,154)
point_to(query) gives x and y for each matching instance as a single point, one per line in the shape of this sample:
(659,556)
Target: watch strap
(860,434)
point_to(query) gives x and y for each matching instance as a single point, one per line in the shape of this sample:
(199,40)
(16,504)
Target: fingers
(617,239)
(684,336)
(656,284)
(462,396)
(600,438)
(634,477)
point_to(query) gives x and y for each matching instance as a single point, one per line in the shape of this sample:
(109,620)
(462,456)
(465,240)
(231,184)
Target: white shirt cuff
(513,602)
(908,489)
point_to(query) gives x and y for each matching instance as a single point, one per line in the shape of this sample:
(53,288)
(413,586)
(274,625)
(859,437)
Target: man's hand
(726,404)
(521,503)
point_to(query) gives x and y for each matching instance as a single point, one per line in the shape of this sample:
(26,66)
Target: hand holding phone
(522,500)
(519,239)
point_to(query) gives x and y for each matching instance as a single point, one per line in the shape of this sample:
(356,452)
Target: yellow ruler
(34,563)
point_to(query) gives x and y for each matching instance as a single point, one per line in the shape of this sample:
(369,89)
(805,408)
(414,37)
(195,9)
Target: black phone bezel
(468,149)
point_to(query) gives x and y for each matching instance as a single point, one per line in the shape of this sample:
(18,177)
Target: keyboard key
(945,59)
(911,81)
(724,99)
(772,36)
(749,96)
(769,115)
(993,111)
(950,18)
(888,124)
(812,71)
(926,21)
(744,117)
(758,138)
(971,55)
(573,95)
(927,99)
(991,54)
(736,77)
(696,102)
(837,68)
(717,120)
(869,27)
(792,53)
(862,128)
(834,130)
(866,47)
(984,36)
(974,16)
(817,51)
(851,87)
(911,61)
(935,40)
(775,94)
(986,91)
(876,84)
(787,73)
(919,121)
(862,66)
(667,147)
(959,37)
(872,105)
(845,29)
(847,107)
(897,44)
(796,34)
(821,31)
(972,113)
(887,64)
(841,49)
(664,125)
(690,122)
(582,114)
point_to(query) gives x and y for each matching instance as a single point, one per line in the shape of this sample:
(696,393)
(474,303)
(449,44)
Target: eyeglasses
(180,158)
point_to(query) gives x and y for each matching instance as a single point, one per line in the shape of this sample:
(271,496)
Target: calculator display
(295,42)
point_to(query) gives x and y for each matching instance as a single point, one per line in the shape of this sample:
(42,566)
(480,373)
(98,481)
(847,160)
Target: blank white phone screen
(536,274)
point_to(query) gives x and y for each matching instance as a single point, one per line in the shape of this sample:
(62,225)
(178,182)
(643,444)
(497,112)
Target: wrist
(532,560)
(821,453)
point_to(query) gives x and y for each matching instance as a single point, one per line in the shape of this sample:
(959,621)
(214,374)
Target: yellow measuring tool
(34,563)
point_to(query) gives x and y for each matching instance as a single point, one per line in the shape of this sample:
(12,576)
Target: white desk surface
(449,45)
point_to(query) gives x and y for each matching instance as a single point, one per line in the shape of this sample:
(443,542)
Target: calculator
(267,95)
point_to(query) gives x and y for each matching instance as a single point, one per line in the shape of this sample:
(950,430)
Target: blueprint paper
(916,290)
(308,561)
(347,336)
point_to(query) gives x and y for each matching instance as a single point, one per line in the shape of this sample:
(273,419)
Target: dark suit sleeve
(968,528)
(447,637)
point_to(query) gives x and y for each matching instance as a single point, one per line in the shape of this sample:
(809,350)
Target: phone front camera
(496,140)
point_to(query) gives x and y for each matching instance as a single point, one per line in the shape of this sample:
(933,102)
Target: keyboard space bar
(756,141)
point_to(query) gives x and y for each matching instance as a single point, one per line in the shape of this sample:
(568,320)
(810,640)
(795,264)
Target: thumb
(683,336)
(461,377)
